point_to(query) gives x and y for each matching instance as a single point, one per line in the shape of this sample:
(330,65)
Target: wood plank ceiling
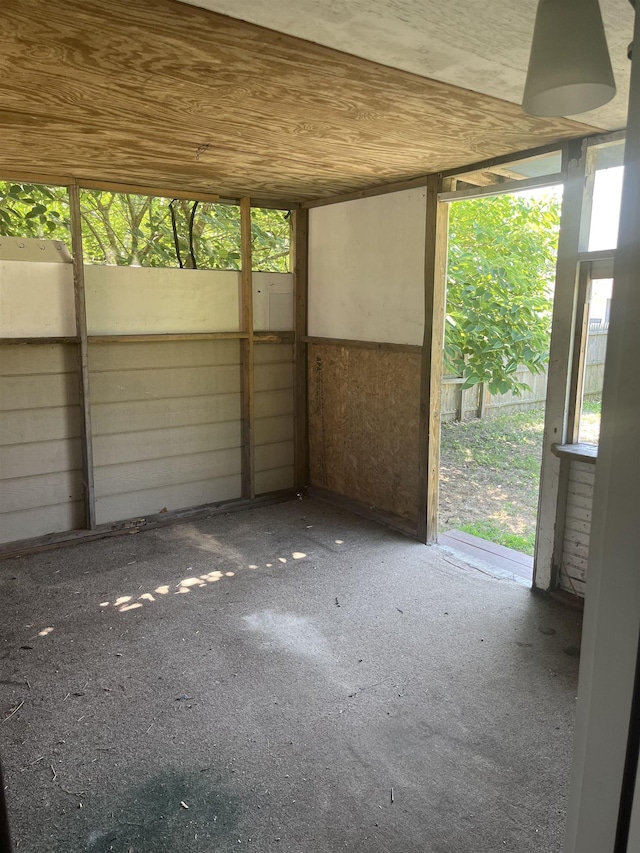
(157,93)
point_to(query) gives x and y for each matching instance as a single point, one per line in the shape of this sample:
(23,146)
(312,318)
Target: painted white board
(150,300)
(36,299)
(272,302)
(366,268)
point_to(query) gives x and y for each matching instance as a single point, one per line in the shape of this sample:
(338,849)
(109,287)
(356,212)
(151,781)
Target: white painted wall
(36,299)
(366,268)
(272,302)
(148,300)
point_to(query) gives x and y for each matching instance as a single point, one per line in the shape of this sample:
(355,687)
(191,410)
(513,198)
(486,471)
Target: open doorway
(500,279)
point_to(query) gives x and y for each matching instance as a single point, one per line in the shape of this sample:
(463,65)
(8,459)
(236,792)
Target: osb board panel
(211,103)
(363,425)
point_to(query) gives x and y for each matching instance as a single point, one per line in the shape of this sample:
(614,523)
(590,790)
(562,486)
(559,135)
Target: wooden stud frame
(437,219)
(83,357)
(247,378)
(299,243)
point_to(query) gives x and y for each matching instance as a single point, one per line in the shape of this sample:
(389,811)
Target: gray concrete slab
(267,679)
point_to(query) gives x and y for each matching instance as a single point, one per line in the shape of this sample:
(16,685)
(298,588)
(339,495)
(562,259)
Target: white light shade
(569,67)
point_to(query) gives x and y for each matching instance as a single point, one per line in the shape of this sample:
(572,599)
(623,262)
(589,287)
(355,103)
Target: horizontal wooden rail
(34,340)
(505,187)
(379,345)
(178,336)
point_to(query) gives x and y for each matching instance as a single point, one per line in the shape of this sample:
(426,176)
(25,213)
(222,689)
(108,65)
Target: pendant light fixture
(569,66)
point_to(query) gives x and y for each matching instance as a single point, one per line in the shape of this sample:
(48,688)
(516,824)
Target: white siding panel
(166,421)
(135,504)
(40,458)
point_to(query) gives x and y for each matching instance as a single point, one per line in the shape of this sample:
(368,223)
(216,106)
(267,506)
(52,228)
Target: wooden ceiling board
(159,93)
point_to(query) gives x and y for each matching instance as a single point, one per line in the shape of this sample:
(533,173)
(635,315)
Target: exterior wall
(577,528)
(166,425)
(273,429)
(40,456)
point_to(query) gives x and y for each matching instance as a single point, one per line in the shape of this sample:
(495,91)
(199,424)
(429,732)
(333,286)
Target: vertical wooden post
(580,341)
(437,220)
(300,235)
(246,303)
(560,358)
(83,357)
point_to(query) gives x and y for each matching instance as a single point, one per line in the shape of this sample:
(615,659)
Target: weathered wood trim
(506,159)
(25,341)
(579,451)
(135,189)
(24,177)
(300,252)
(580,337)
(247,378)
(83,357)
(387,519)
(153,338)
(274,337)
(435,268)
(560,356)
(504,187)
(377,345)
(369,192)
(136,525)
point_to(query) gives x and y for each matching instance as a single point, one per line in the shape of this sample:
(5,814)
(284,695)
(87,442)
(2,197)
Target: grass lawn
(490,472)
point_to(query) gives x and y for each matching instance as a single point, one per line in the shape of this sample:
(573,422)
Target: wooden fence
(477,402)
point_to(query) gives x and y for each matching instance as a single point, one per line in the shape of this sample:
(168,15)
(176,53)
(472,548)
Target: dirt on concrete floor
(292,678)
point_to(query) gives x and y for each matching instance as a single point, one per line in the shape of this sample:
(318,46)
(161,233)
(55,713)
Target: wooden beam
(505,187)
(136,189)
(172,336)
(560,355)
(300,246)
(86,439)
(435,268)
(381,346)
(247,379)
(274,337)
(23,341)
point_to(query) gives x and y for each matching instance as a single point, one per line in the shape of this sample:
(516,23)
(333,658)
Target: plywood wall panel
(159,93)
(366,269)
(363,424)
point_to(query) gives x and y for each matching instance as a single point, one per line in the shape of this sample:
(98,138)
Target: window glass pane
(599,308)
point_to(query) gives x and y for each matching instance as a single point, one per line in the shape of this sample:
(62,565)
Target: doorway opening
(500,278)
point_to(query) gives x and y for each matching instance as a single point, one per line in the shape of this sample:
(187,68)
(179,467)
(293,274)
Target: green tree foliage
(29,210)
(127,229)
(500,274)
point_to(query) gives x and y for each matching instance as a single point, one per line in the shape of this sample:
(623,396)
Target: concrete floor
(281,672)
